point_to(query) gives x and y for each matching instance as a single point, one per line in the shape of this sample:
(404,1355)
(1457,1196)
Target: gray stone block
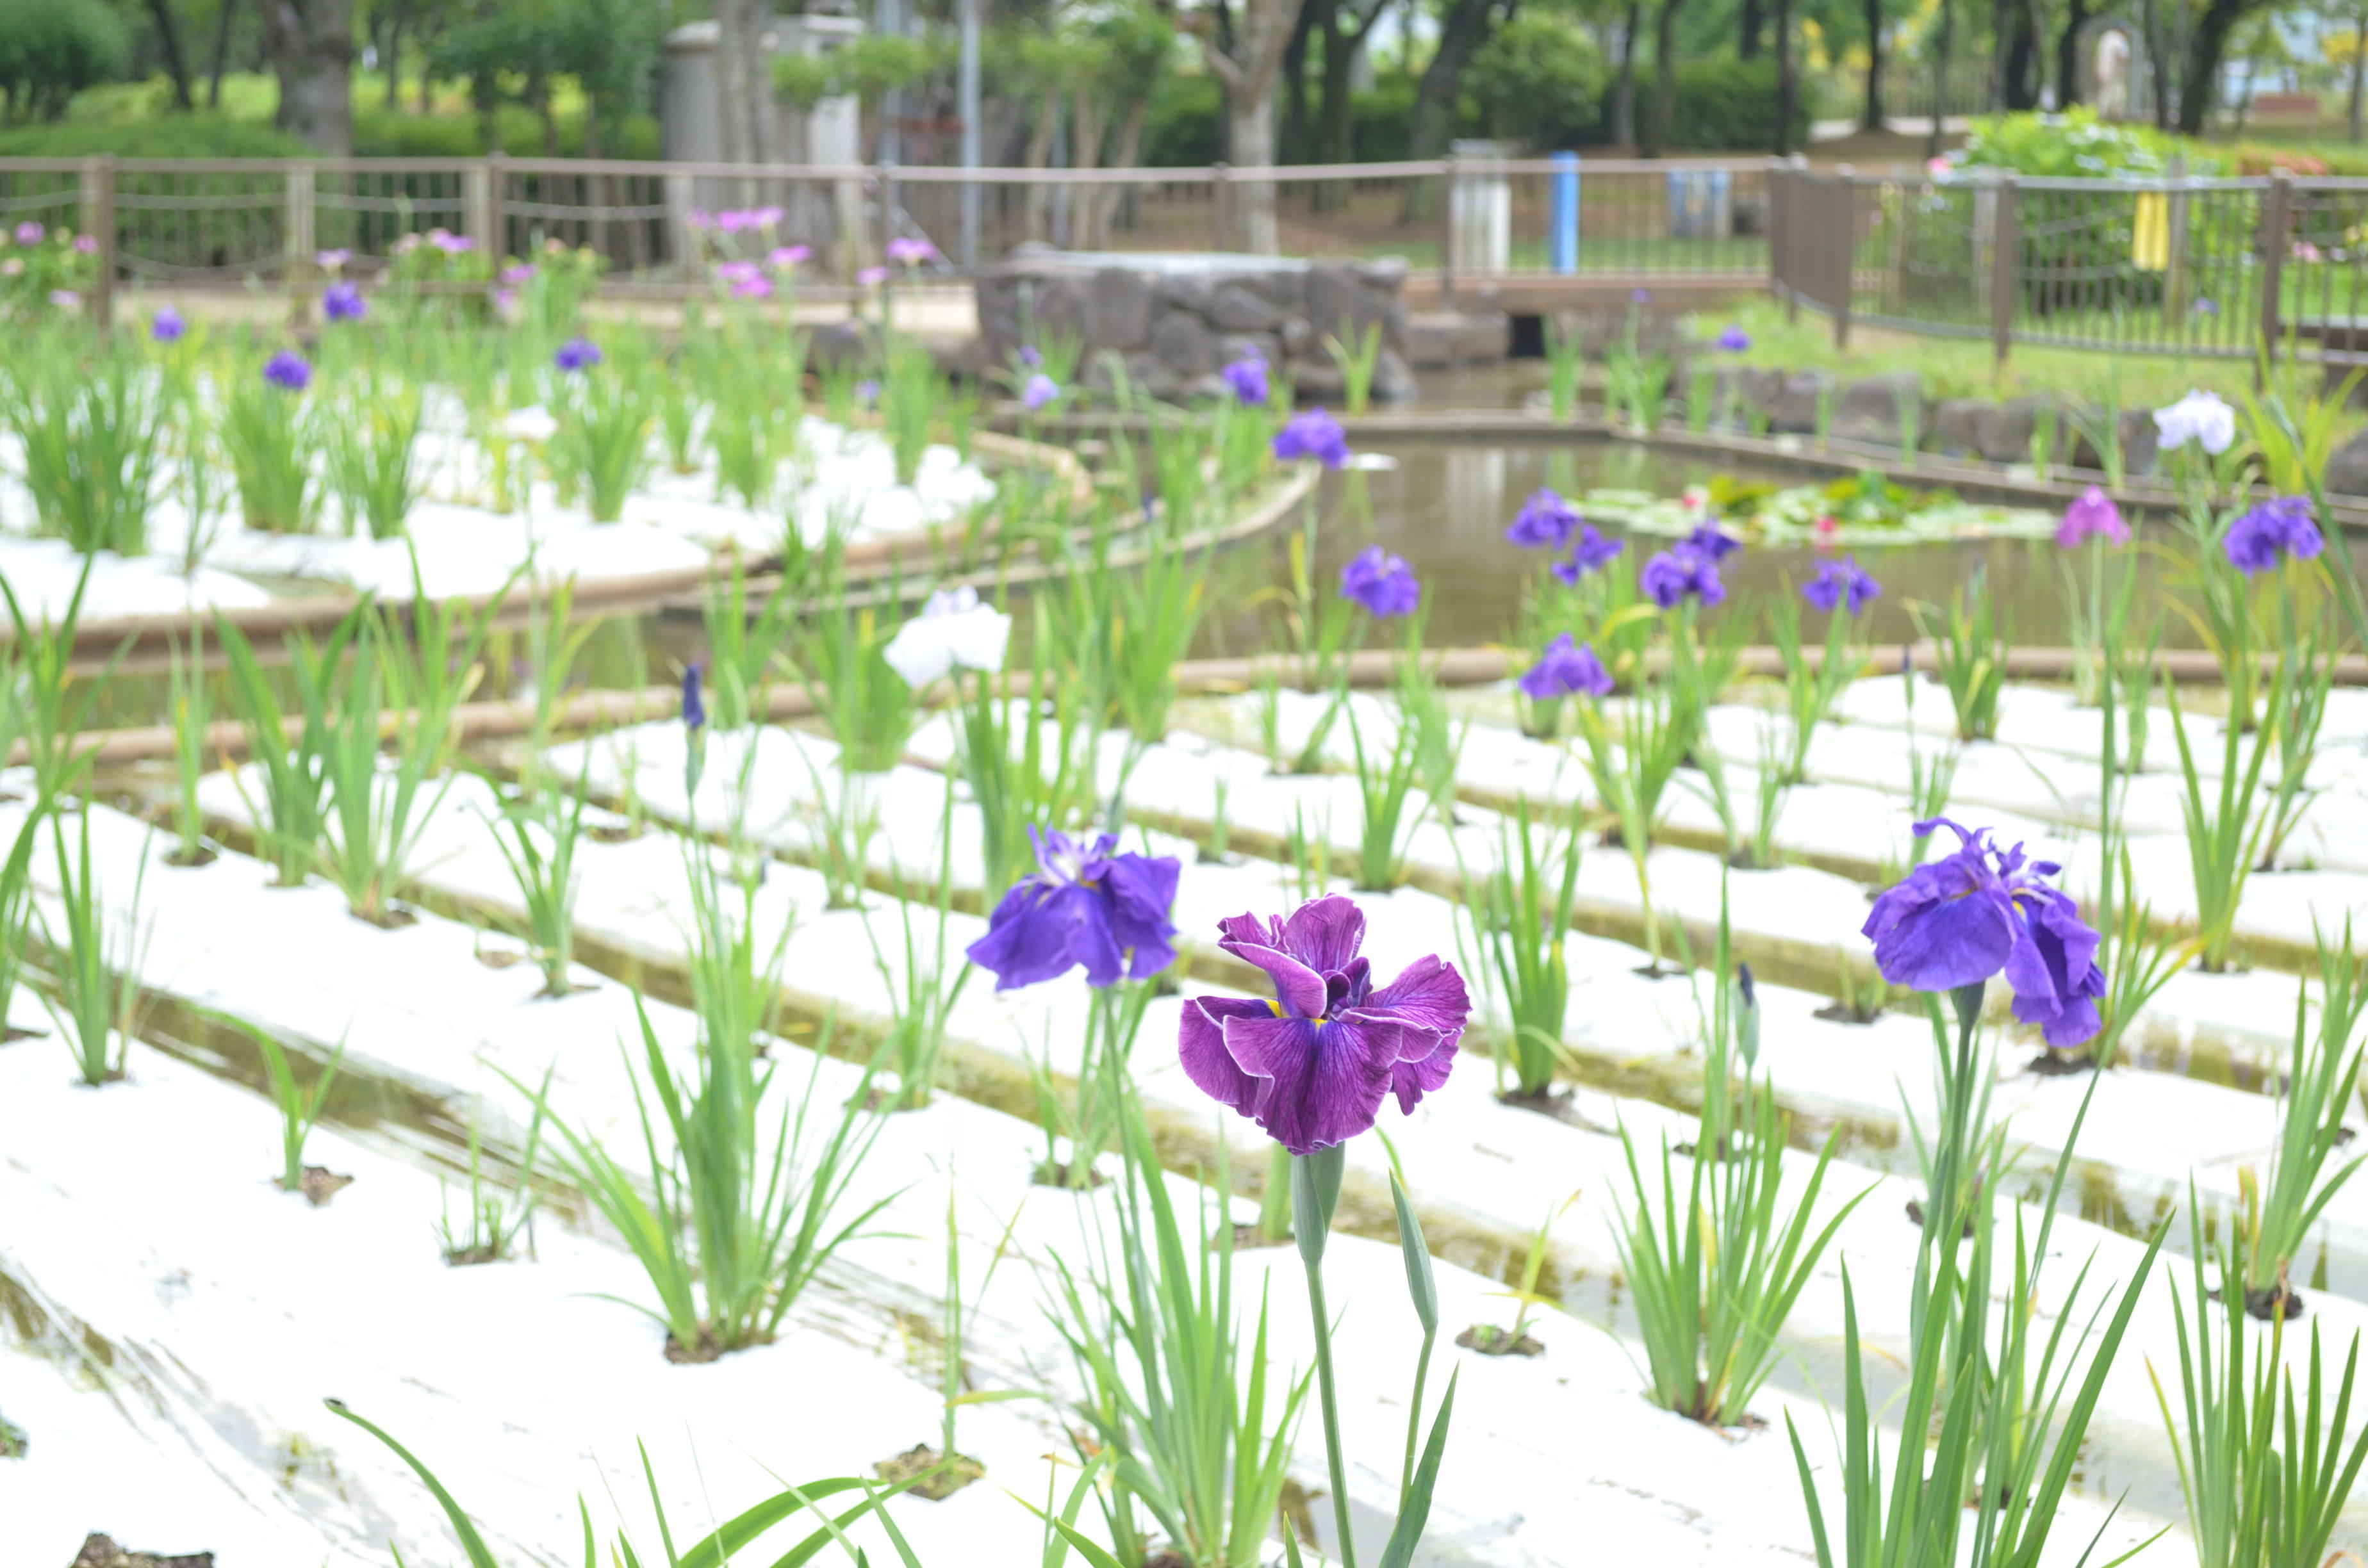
(1957,426)
(2005,436)
(2347,466)
(1796,405)
(1183,343)
(1266,346)
(1236,309)
(1869,410)
(1118,308)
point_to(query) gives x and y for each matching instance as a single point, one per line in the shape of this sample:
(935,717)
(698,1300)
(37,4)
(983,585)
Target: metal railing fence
(2177,266)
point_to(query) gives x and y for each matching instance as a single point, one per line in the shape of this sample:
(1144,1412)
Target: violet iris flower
(910,253)
(1735,340)
(1041,390)
(343,302)
(1314,434)
(1566,669)
(29,232)
(2281,525)
(1313,1065)
(1675,575)
(1591,553)
(694,710)
(1381,582)
(288,371)
(168,326)
(1709,542)
(1032,356)
(1981,912)
(576,354)
(1247,377)
(1545,521)
(2092,515)
(1839,582)
(1082,906)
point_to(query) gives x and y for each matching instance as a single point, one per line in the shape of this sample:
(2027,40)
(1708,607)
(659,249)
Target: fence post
(1447,231)
(96,189)
(296,225)
(481,201)
(2005,270)
(1222,176)
(2275,218)
(1779,195)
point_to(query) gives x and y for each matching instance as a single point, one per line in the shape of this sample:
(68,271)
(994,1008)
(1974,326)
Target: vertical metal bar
(2273,256)
(1221,196)
(1844,241)
(296,226)
(886,186)
(1447,231)
(2006,270)
(97,193)
(969,111)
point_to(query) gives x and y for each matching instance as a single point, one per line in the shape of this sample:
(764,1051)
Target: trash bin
(1701,204)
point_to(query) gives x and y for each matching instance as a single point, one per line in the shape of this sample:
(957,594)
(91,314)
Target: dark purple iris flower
(1545,521)
(343,302)
(1959,920)
(1314,434)
(694,710)
(1083,905)
(1708,541)
(1313,1066)
(168,326)
(1247,377)
(1675,575)
(1592,552)
(576,354)
(288,371)
(1381,582)
(1566,669)
(1839,582)
(2281,525)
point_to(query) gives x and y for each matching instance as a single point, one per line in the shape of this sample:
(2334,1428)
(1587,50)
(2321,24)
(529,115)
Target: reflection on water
(1445,507)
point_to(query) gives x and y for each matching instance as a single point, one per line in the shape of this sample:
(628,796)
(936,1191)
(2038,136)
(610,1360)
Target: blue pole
(1561,214)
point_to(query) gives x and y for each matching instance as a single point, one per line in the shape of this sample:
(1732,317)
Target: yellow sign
(2150,232)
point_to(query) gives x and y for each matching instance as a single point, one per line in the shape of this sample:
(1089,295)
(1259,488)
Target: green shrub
(1384,129)
(1180,129)
(50,50)
(1540,82)
(165,136)
(2075,144)
(1722,106)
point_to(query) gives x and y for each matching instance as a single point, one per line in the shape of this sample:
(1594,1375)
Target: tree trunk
(1943,45)
(2158,57)
(1788,80)
(311,47)
(1624,89)
(393,60)
(2205,48)
(1436,102)
(1249,72)
(1036,207)
(2021,48)
(2359,68)
(1665,78)
(1746,43)
(1107,201)
(2001,29)
(2068,54)
(1870,119)
(1341,47)
(1298,138)
(174,61)
(732,42)
(222,52)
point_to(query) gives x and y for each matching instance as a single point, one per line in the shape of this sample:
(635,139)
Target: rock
(1319,381)
(1118,308)
(1957,426)
(837,343)
(1870,411)
(1796,406)
(2347,468)
(1182,342)
(101,1551)
(1053,306)
(1394,377)
(2005,436)
(1266,346)
(1236,309)
(1186,291)
(1339,304)
(1298,340)
(1154,376)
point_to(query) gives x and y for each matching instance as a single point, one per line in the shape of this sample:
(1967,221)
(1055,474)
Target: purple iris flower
(1041,390)
(1675,575)
(694,710)
(1082,906)
(1545,521)
(1381,582)
(29,232)
(1566,669)
(1708,541)
(1032,356)
(1247,376)
(1959,920)
(2281,525)
(1839,582)
(2093,514)
(576,354)
(1313,1065)
(168,326)
(343,302)
(1591,553)
(1314,434)
(288,370)
(1735,340)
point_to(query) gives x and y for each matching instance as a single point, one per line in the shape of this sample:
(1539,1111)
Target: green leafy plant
(601,448)
(1971,639)
(495,1220)
(920,999)
(2322,1072)
(38,673)
(1524,907)
(537,836)
(93,971)
(372,447)
(2223,838)
(1356,354)
(292,820)
(92,427)
(743,651)
(271,433)
(299,1109)
(191,696)
(1384,783)
(16,916)
(1018,777)
(842,659)
(1565,365)
(1631,775)
(910,392)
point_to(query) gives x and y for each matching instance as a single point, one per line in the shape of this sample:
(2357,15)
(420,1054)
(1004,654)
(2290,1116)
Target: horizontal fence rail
(2215,267)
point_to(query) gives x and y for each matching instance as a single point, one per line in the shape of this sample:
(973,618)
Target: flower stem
(1941,1214)
(1332,1457)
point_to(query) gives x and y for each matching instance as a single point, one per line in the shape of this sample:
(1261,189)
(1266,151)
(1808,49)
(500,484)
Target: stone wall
(1174,321)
